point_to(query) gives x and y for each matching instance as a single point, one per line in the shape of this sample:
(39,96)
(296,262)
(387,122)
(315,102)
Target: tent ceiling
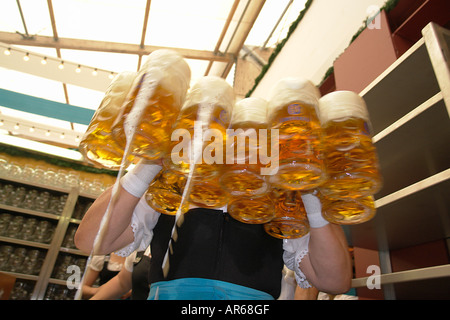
(111,36)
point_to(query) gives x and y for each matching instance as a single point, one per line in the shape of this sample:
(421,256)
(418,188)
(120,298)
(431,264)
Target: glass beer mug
(252,209)
(242,175)
(348,211)
(97,144)
(350,156)
(165,193)
(201,126)
(145,123)
(293,111)
(290,219)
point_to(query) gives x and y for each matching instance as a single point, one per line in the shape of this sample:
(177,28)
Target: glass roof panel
(195,24)
(37,17)
(102,20)
(268,18)
(31,85)
(10,20)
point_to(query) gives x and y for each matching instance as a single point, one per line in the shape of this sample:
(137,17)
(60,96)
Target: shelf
(25,242)
(406,84)
(75,205)
(30,212)
(35,184)
(409,106)
(21,275)
(73,251)
(406,276)
(409,219)
(416,150)
(57,281)
(432,283)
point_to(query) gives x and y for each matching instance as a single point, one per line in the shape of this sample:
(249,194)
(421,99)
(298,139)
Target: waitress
(102,269)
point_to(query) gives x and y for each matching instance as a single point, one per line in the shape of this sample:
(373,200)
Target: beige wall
(323,34)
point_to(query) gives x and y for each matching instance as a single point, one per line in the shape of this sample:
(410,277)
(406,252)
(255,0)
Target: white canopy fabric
(74,48)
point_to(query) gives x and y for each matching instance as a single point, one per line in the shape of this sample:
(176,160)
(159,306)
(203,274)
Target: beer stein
(348,211)
(144,125)
(290,219)
(350,156)
(97,145)
(203,118)
(293,112)
(208,193)
(252,209)
(200,154)
(243,169)
(165,193)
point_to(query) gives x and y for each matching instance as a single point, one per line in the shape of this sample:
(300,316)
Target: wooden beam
(144,27)
(103,46)
(224,32)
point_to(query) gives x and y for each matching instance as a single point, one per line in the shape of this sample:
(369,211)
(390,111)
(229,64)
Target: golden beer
(350,156)
(242,173)
(165,193)
(252,210)
(146,120)
(348,211)
(290,219)
(97,144)
(292,110)
(201,125)
(208,193)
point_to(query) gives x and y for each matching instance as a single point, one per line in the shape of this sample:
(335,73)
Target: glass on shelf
(4,166)
(28,172)
(49,177)
(61,178)
(22,290)
(73,179)
(5,220)
(39,173)
(69,237)
(15,170)
(5,254)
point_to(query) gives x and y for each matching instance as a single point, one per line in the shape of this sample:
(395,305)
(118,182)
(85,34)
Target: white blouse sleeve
(294,251)
(97,262)
(143,221)
(129,262)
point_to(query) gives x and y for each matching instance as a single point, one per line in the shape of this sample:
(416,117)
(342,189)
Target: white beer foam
(250,110)
(116,93)
(211,90)
(342,104)
(176,72)
(292,89)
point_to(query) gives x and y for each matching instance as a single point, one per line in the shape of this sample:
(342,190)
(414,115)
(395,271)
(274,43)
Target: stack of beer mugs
(350,157)
(243,177)
(256,156)
(192,168)
(293,111)
(97,144)
(136,115)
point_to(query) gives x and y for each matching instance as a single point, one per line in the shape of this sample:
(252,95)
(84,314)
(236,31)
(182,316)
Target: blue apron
(203,289)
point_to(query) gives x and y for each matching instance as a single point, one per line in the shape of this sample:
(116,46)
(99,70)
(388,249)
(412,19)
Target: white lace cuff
(294,251)
(143,221)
